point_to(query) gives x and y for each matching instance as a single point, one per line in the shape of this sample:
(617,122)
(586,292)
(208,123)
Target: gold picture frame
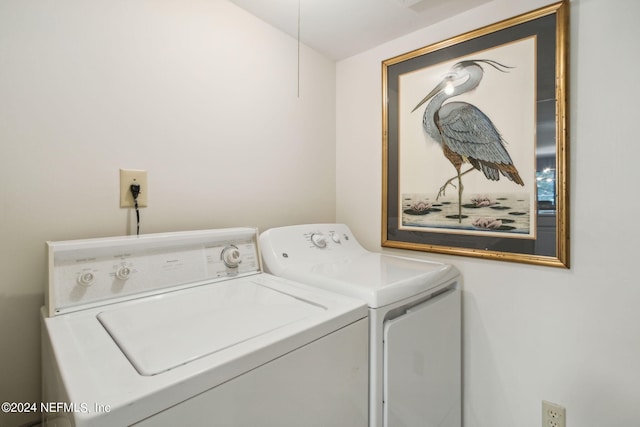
(499,134)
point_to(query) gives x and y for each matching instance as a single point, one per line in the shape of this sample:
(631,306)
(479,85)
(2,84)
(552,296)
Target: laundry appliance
(185,328)
(414,318)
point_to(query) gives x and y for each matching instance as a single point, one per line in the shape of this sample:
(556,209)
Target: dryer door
(422,365)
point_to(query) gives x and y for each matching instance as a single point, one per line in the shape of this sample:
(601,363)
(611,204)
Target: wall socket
(128,177)
(553,415)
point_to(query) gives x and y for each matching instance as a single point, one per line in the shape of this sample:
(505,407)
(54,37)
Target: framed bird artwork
(475,144)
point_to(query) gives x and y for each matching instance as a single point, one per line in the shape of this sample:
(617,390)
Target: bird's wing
(468,132)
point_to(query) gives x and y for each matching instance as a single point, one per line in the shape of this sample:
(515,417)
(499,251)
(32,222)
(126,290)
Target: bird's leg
(444,187)
(460,188)
(449,182)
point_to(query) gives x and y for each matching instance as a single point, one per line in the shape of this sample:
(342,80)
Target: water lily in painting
(483,201)
(421,206)
(487,223)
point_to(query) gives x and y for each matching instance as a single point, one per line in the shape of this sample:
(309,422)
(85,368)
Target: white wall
(198,92)
(534,333)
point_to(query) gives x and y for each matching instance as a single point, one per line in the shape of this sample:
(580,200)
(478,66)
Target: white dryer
(185,329)
(415,318)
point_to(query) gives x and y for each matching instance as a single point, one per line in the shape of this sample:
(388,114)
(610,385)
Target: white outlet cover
(553,415)
(128,177)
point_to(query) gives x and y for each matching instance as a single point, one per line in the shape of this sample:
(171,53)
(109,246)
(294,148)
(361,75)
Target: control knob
(86,278)
(319,240)
(231,256)
(123,272)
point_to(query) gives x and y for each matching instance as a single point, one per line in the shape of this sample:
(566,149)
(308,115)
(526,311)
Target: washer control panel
(97,271)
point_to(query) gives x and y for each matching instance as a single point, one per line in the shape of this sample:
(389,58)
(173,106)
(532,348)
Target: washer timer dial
(231,256)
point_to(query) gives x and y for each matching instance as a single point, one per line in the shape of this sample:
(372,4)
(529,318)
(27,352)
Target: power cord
(135,190)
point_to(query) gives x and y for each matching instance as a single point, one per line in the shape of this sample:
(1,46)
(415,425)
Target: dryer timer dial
(319,240)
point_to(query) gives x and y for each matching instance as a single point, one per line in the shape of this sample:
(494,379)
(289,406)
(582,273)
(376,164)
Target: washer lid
(375,278)
(169,330)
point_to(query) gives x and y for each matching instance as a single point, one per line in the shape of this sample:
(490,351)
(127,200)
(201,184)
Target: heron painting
(465,133)
(469,124)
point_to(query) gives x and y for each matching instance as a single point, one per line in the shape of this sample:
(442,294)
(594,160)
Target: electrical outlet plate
(553,415)
(128,177)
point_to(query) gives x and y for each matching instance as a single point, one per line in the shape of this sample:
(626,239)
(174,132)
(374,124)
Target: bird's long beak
(431,94)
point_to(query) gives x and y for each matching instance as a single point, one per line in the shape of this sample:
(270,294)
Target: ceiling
(342,28)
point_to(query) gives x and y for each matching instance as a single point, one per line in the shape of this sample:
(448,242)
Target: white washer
(415,318)
(185,329)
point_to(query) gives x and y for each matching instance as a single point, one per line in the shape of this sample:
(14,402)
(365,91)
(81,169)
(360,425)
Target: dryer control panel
(308,244)
(87,273)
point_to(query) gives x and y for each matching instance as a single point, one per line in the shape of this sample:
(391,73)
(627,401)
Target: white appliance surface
(141,349)
(410,362)
(341,265)
(414,318)
(165,331)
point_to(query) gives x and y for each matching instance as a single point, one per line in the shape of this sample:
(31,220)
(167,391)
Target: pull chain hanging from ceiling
(298,48)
